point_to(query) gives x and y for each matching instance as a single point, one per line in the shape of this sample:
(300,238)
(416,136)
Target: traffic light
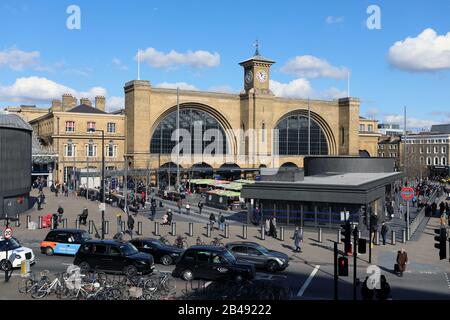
(346,233)
(343,267)
(362,246)
(441,243)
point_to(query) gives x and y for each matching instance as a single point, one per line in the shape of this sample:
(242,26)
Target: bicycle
(56,286)
(29,284)
(217,242)
(181,242)
(164,240)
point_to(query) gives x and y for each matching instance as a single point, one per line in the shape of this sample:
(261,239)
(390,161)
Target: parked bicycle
(217,242)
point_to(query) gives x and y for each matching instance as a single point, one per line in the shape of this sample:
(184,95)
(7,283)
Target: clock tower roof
(256,58)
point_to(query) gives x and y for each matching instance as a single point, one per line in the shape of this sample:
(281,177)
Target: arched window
(444,161)
(436,161)
(293,136)
(428,161)
(162,142)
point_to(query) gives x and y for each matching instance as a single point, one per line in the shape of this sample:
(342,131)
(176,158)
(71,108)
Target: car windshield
(128,249)
(10,244)
(156,243)
(229,257)
(262,249)
(85,236)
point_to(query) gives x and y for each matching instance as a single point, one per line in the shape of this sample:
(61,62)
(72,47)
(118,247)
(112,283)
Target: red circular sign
(407,193)
(7,234)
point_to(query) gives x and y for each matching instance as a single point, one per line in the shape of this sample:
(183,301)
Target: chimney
(68,102)
(100,103)
(86,101)
(56,105)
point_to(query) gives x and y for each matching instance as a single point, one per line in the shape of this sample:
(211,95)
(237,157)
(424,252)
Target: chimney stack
(56,105)
(68,102)
(100,102)
(86,101)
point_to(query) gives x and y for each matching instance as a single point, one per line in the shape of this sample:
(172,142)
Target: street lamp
(103,178)
(72,146)
(90,145)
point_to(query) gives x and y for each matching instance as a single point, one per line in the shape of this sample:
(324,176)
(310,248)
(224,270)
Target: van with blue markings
(64,241)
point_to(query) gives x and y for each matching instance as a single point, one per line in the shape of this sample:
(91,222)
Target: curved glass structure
(293,136)
(162,142)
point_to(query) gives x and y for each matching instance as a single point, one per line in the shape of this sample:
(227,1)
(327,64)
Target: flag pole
(309,128)
(139,64)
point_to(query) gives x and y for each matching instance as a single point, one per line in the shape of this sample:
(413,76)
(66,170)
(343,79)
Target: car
(161,252)
(113,256)
(64,241)
(260,256)
(16,251)
(211,263)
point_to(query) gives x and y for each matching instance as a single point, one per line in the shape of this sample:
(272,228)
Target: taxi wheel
(166,260)
(187,275)
(49,251)
(5,265)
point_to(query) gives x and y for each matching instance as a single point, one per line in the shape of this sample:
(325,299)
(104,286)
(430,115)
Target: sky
(397,53)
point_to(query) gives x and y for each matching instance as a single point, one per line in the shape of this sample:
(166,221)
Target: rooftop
(13,121)
(83,108)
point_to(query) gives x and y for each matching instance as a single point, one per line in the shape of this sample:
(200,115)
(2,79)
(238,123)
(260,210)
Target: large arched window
(162,142)
(293,136)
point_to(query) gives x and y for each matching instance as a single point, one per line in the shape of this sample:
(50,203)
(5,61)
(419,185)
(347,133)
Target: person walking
(66,190)
(60,213)
(153,211)
(384,231)
(402,260)
(130,224)
(298,238)
(179,205)
(169,217)
(83,216)
(212,220)
(200,207)
(267,226)
(401,210)
(39,202)
(221,221)
(56,189)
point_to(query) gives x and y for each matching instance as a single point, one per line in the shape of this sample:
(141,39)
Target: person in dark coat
(60,213)
(200,207)
(83,216)
(298,237)
(384,231)
(384,293)
(402,260)
(130,224)
(212,220)
(366,293)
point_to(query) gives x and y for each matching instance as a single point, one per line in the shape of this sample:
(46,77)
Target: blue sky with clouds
(198,44)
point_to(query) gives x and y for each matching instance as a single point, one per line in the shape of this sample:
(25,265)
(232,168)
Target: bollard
(281,233)
(408,233)
(227,230)
(244,231)
(191,229)
(52,224)
(208,230)
(28,221)
(174,229)
(339,239)
(359,234)
(91,227)
(320,235)
(404,235)
(377,238)
(263,232)
(156,229)
(77,224)
(393,237)
(124,228)
(40,222)
(17,221)
(107,226)
(64,223)
(139,230)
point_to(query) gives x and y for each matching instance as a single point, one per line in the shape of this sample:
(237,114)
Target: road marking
(308,281)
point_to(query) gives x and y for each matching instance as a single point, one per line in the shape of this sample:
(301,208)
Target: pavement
(309,275)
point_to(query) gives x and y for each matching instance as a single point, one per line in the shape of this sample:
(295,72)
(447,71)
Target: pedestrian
(143,199)
(169,217)
(267,226)
(56,189)
(83,216)
(130,224)
(212,220)
(298,238)
(153,212)
(384,231)
(188,208)
(66,190)
(402,260)
(55,221)
(384,292)
(179,205)
(366,293)
(401,210)
(221,221)
(272,229)
(60,213)
(200,206)
(39,202)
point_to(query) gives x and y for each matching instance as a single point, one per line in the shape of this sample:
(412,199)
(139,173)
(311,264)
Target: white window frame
(109,126)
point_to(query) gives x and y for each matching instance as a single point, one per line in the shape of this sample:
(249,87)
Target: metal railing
(417,221)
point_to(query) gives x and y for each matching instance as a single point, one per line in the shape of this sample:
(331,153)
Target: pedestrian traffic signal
(441,242)
(343,267)
(362,246)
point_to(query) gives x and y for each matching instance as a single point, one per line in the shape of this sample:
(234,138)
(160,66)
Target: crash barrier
(156,229)
(377,238)
(124,228)
(77,224)
(40,222)
(244,231)
(174,229)
(191,229)
(106,227)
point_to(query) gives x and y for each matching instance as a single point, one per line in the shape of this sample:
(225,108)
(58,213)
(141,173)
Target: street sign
(407,193)
(101,207)
(7,234)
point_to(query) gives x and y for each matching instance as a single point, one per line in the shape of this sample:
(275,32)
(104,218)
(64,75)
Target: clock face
(249,76)
(261,75)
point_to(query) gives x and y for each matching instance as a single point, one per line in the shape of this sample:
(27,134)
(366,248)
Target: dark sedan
(162,253)
(260,256)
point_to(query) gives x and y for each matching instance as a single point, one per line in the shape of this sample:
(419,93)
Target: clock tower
(257,73)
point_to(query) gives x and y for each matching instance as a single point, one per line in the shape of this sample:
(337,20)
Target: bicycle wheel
(25,285)
(39,292)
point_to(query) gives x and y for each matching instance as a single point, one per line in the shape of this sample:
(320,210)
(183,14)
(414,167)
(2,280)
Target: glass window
(62,238)
(90,126)
(239,249)
(111,127)
(91,150)
(293,136)
(128,249)
(70,126)
(253,252)
(203,256)
(218,259)
(98,249)
(362,127)
(370,128)
(115,251)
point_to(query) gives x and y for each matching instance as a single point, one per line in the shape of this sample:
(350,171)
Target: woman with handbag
(402,259)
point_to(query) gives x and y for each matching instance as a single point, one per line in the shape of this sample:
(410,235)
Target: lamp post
(102,184)
(72,147)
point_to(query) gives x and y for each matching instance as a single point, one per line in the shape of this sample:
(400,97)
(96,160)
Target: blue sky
(314,43)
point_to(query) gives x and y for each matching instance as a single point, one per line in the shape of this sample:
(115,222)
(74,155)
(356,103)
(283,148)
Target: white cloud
(333,20)
(194,59)
(372,113)
(312,67)
(181,85)
(18,60)
(115,103)
(117,63)
(412,124)
(425,53)
(302,89)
